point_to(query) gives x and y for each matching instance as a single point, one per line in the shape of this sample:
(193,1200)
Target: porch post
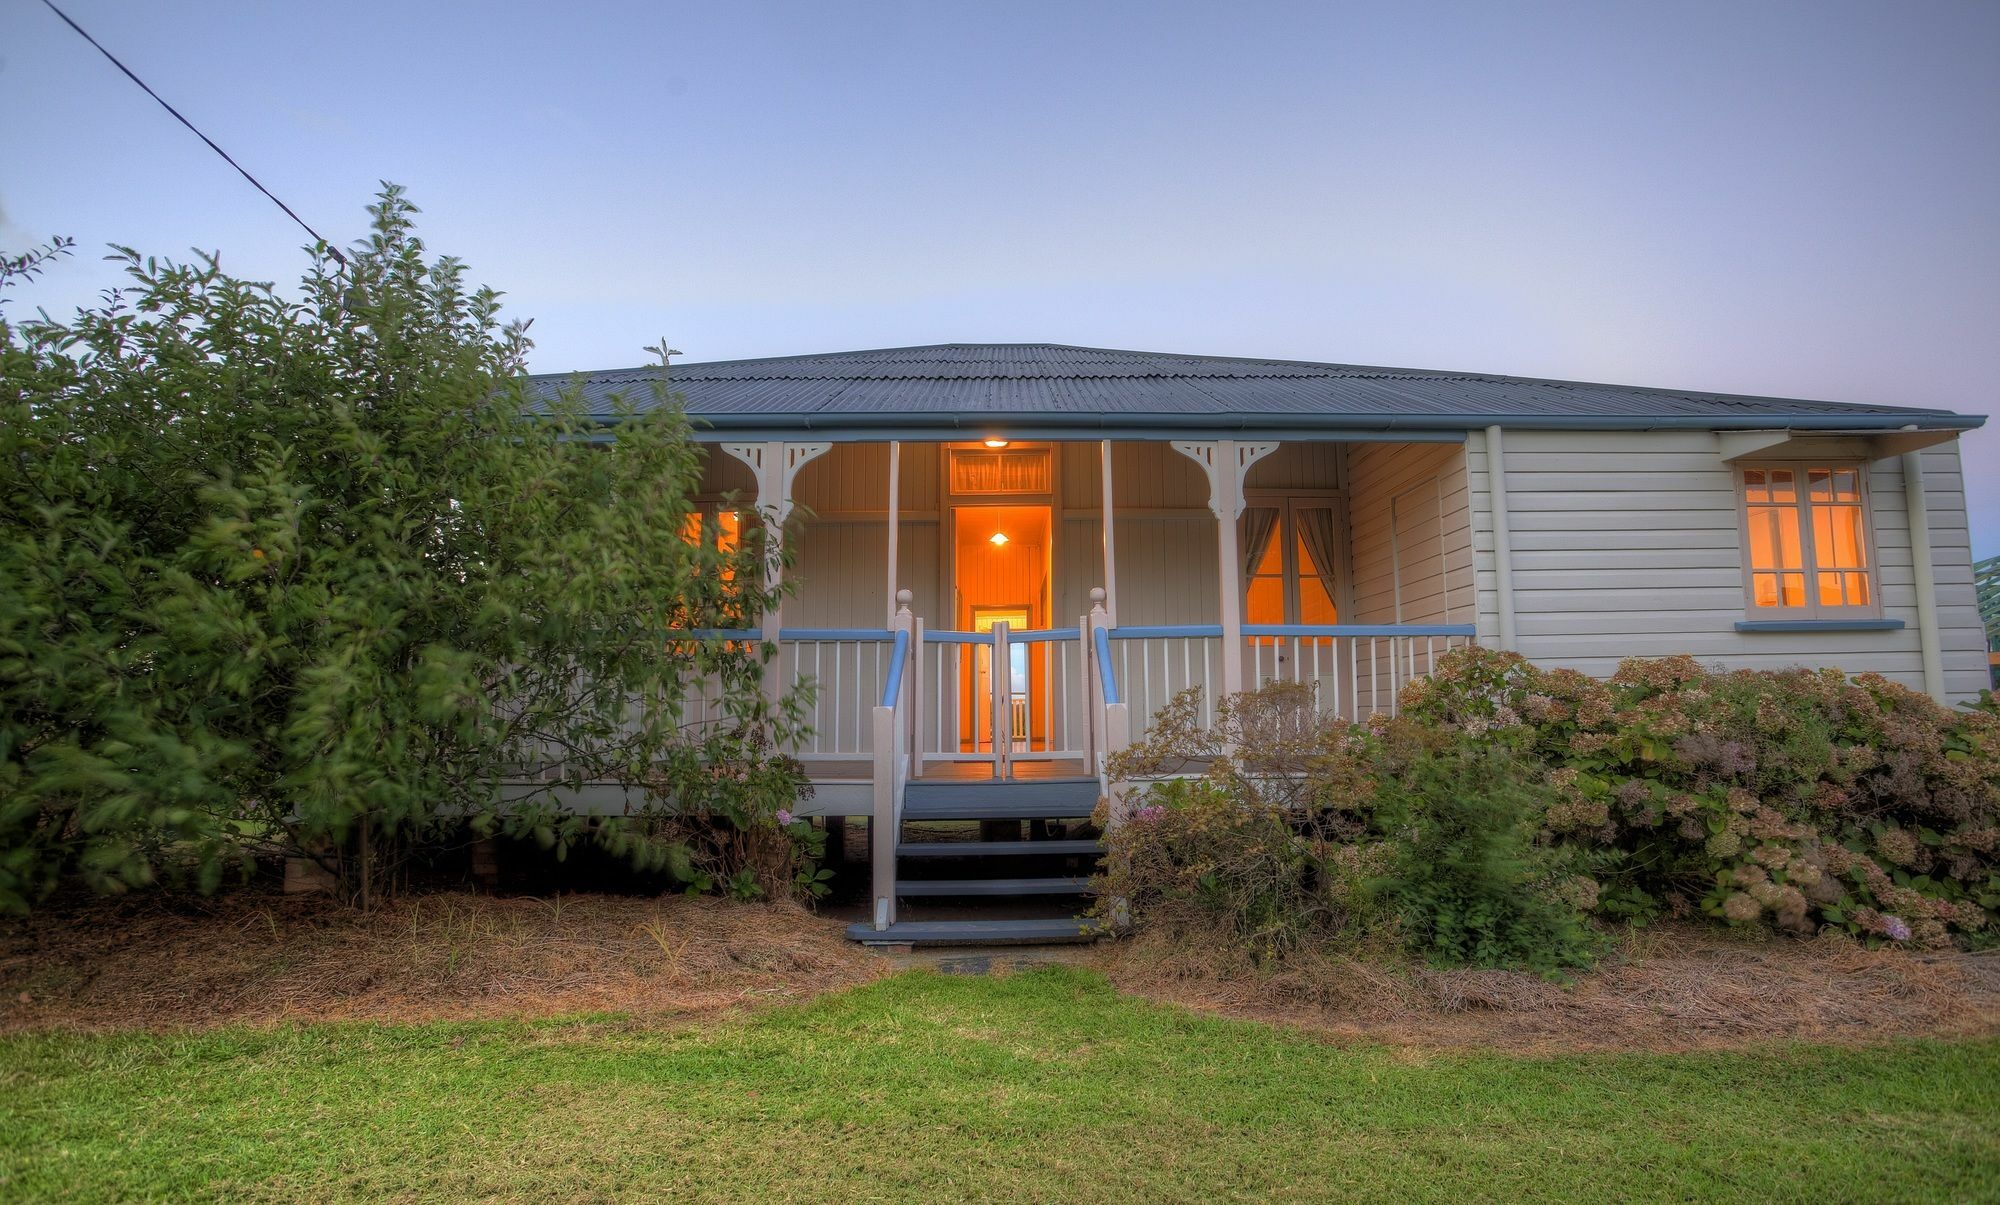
(1110,544)
(1112,734)
(890,771)
(1232,594)
(1227,463)
(895,482)
(774,465)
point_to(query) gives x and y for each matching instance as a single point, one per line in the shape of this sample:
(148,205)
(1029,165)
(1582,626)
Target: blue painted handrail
(1041,635)
(1106,679)
(1156,633)
(941,636)
(894,686)
(1023,636)
(882,634)
(1358,629)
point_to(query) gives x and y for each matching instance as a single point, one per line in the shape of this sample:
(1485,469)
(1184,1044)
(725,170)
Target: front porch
(1221,565)
(1008,612)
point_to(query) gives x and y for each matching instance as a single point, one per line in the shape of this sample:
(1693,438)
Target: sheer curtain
(1258,525)
(1317,534)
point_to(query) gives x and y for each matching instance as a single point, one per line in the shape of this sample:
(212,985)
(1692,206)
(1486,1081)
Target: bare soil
(165,963)
(1663,989)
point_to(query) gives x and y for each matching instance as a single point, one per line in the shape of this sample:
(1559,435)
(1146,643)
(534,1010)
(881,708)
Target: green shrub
(301,574)
(1467,879)
(1306,832)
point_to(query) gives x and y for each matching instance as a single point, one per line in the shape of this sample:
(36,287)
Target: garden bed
(160,962)
(164,963)
(1670,988)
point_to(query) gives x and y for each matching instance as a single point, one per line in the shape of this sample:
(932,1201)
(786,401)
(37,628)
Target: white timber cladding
(1630,544)
(1410,522)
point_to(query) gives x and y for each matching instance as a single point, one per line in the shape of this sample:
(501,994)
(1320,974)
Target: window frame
(1808,542)
(1285,502)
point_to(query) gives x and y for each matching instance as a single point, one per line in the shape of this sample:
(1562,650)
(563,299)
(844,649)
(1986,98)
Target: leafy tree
(306,575)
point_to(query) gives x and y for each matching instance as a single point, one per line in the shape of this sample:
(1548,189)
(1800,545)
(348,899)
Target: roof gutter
(1019,423)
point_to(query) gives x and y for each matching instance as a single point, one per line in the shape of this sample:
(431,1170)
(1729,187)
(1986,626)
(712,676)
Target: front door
(1000,571)
(1015,695)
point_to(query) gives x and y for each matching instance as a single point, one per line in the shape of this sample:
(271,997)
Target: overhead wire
(226,158)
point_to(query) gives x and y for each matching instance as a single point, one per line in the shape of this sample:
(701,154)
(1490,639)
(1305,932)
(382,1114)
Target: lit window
(1001,469)
(1296,588)
(1264,589)
(1808,540)
(718,528)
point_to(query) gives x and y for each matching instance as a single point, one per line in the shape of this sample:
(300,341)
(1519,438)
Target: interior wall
(1012,574)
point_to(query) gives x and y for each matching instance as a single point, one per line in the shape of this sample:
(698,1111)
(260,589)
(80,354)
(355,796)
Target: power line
(82,33)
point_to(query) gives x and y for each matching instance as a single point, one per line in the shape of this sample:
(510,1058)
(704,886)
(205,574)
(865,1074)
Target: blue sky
(1791,199)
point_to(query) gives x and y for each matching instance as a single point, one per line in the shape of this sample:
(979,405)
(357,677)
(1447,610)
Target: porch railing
(1032,707)
(847,669)
(1356,670)
(960,709)
(1153,664)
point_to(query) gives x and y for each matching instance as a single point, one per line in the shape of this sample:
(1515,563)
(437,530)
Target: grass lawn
(1044,1084)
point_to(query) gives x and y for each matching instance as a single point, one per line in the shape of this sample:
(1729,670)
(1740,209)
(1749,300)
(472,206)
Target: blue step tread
(975,932)
(982,849)
(1059,885)
(999,799)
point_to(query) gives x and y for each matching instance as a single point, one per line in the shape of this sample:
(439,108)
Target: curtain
(1316,533)
(1258,525)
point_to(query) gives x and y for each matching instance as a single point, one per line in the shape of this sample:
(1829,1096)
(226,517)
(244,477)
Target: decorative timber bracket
(776,465)
(1227,463)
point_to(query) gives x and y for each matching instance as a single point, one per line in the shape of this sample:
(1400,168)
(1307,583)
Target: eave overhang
(1894,433)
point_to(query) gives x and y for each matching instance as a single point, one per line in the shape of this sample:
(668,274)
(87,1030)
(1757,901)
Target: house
(1010,554)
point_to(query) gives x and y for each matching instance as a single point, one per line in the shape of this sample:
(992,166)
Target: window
(1000,471)
(1806,528)
(1289,553)
(716,526)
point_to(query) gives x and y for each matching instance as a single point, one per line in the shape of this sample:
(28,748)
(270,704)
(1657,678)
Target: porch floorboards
(861,769)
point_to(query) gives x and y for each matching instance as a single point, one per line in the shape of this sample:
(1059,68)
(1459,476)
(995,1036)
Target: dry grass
(1671,988)
(162,964)
(261,959)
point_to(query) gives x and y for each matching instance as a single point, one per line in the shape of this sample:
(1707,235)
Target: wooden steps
(994,868)
(997,849)
(1035,931)
(1056,885)
(1000,799)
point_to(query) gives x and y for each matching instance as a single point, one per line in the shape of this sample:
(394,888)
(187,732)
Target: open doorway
(1000,575)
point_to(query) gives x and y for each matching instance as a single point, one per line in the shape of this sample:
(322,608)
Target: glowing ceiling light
(997,539)
(996,443)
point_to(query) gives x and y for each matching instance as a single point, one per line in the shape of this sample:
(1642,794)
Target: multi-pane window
(1808,540)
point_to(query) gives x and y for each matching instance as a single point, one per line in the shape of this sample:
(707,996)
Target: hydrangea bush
(1796,798)
(1507,803)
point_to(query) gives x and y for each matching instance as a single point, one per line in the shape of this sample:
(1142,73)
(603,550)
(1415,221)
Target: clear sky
(1798,199)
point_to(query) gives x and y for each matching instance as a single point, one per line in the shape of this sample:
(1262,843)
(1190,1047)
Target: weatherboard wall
(1629,544)
(1410,525)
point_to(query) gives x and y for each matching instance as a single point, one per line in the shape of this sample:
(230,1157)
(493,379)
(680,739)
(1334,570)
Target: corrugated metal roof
(1055,386)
